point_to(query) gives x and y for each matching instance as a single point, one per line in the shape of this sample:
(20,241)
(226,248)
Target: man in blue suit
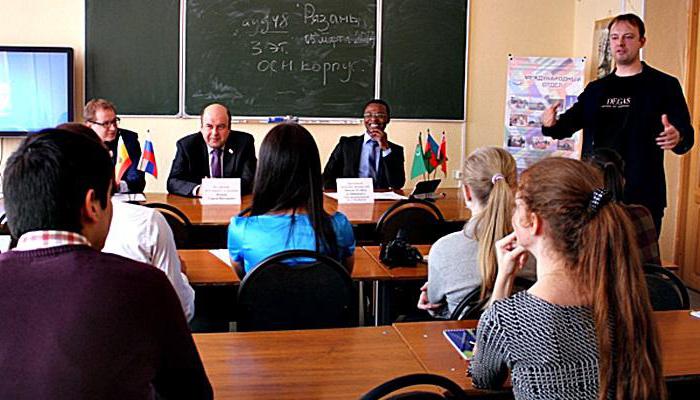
(101,116)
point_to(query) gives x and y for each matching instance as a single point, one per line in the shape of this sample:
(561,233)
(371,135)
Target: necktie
(373,160)
(215,163)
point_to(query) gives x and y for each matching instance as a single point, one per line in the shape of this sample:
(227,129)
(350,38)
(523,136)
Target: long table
(344,363)
(452,208)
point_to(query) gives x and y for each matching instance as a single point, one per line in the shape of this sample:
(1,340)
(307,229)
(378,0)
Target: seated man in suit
(78,323)
(101,116)
(214,152)
(370,155)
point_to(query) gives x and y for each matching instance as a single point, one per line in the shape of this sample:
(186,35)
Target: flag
(431,153)
(123,161)
(418,167)
(147,163)
(442,154)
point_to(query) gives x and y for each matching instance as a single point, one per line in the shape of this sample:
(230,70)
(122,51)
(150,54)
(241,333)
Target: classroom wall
(496,28)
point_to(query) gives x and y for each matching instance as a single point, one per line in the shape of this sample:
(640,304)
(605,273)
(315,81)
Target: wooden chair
(402,382)
(178,222)
(666,290)
(421,220)
(296,289)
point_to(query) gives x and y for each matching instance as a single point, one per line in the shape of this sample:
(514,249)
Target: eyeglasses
(375,115)
(106,124)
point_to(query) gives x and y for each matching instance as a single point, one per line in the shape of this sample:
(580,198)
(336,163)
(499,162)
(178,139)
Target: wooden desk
(452,207)
(314,364)
(679,332)
(420,271)
(203,268)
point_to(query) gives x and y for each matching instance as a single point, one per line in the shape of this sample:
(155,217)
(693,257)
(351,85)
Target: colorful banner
(535,83)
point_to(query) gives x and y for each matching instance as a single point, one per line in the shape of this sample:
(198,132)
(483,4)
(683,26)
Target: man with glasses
(101,116)
(370,155)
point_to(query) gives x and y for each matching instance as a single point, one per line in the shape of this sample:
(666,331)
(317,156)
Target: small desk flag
(442,154)
(123,161)
(431,153)
(418,167)
(147,163)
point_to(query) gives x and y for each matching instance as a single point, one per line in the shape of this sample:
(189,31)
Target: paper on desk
(129,197)
(222,254)
(377,196)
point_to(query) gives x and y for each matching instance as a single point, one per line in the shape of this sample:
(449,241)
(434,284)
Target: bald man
(214,152)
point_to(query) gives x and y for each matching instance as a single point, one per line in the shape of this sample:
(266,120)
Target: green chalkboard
(132,56)
(280,57)
(423,58)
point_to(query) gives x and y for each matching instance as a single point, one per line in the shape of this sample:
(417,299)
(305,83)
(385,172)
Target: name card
(220,191)
(355,190)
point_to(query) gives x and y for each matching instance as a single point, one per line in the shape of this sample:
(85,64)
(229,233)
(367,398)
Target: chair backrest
(471,306)
(405,381)
(296,289)
(666,290)
(178,221)
(421,220)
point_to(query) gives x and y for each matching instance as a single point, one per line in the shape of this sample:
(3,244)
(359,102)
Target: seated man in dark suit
(214,152)
(101,116)
(78,323)
(370,155)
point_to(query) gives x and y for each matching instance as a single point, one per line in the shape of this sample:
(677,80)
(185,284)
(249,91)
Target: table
(452,208)
(314,364)
(679,333)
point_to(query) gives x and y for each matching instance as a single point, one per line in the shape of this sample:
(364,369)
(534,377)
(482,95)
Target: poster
(535,83)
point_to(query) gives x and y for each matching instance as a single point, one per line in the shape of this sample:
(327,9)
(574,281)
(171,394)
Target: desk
(452,208)
(679,333)
(314,364)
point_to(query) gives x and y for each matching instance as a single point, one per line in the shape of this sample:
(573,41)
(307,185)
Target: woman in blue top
(287,209)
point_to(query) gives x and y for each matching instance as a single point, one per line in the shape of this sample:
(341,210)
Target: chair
(315,292)
(178,222)
(666,290)
(421,220)
(471,306)
(386,388)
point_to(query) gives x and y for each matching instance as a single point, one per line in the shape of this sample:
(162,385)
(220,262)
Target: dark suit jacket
(135,179)
(191,162)
(345,163)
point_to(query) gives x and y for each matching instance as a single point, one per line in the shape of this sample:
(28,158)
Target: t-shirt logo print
(617,102)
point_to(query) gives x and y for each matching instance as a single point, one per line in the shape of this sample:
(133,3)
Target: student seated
(464,260)
(585,329)
(78,323)
(287,208)
(612,166)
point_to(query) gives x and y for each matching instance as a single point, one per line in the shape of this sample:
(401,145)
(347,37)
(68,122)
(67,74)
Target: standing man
(214,152)
(78,323)
(370,155)
(636,110)
(101,116)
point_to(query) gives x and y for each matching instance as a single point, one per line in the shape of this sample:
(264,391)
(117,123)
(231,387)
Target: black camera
(398,252)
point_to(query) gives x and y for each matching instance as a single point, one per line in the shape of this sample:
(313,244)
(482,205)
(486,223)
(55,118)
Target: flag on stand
(431,153)
(123,161)
(147,163)
(442,154)
(418,167)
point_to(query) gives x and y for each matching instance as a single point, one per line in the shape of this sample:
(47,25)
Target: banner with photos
(534,84)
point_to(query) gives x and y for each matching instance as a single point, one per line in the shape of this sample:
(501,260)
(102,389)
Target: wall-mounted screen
(36,88)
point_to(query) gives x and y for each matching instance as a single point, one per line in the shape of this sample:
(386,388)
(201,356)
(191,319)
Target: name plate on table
(355,190)
(220,191)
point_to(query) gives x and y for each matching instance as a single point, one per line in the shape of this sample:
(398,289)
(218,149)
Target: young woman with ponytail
(464,260)
(585,329)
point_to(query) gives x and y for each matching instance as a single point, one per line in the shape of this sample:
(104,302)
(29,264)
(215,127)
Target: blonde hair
(490,173)
(97,104)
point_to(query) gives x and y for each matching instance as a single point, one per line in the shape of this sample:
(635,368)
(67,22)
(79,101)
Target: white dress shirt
(142,234)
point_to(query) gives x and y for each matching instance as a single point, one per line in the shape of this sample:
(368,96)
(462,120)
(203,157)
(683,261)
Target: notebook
(462,340)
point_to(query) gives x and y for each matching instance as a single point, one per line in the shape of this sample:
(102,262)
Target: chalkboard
(280,57)
(132,54)
(423,58)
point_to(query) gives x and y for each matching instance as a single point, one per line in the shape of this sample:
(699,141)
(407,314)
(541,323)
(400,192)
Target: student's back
(78,323)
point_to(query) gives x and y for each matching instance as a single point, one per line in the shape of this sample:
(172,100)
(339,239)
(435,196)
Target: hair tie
(497,177)
(599,198)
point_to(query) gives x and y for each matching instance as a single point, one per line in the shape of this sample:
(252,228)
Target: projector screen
(36,88)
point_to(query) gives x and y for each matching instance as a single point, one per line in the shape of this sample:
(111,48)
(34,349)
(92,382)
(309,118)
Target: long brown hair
(597,245)
(490,174)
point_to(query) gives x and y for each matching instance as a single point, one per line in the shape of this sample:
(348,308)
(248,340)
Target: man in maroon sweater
(78,323)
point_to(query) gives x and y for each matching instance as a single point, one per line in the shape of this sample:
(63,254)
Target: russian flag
(147,163)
